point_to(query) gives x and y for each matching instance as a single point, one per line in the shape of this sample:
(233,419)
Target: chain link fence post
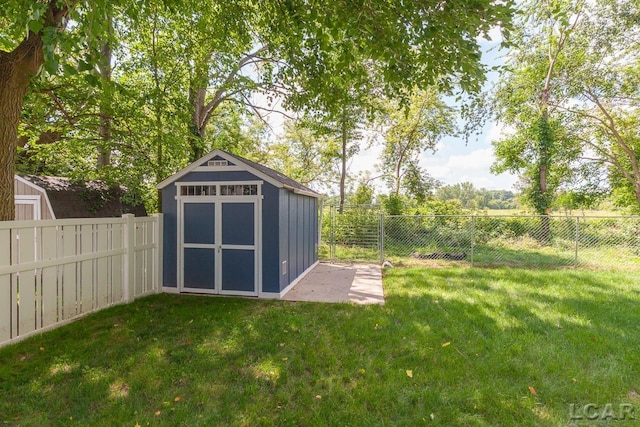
(575,256)
(381,237)
(332,237)
(473,236)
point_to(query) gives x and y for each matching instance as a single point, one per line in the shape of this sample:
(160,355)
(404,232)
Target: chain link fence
(365,234)
(351,233)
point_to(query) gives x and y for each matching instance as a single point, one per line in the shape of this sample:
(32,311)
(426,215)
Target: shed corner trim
(38,188)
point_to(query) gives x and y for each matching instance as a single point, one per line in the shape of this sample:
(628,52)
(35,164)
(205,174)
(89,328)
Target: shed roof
(92,199)
(272,176)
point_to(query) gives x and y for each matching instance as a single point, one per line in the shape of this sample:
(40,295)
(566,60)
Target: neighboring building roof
(272,176)
(92,199)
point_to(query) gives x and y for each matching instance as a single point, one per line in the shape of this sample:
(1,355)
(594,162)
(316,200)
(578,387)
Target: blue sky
(456,160)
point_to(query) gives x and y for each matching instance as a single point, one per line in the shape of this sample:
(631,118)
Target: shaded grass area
(452,346)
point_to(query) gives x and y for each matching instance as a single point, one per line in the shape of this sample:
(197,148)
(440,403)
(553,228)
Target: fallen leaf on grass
(157,413)
(533,391)
(446,344)
(318,396)
(409,373)
(177,399)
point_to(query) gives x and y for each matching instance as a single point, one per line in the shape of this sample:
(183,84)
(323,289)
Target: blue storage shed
(235,227)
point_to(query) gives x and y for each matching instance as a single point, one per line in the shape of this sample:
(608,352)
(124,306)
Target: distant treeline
(471,197)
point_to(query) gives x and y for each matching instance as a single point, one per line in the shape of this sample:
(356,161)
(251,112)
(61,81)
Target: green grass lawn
(452,346)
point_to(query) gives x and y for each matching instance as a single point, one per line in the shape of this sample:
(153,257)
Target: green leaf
(51,64)
(35,26)
(69,69)
(84,66)
(92,80)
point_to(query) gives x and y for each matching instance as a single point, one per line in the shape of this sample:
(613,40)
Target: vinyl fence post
(129,258)
(575,257)
(158,234)
(473,236)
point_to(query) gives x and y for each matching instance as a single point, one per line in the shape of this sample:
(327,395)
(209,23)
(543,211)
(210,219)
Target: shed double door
(219,247)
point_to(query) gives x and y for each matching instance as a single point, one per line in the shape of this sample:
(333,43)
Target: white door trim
(33,200)
(217,246)
(182,245)
(256,200)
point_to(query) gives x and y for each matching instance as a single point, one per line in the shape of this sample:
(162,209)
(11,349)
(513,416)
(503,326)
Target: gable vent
(217,163)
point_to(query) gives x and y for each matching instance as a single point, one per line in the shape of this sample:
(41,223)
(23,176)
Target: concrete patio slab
(356,283)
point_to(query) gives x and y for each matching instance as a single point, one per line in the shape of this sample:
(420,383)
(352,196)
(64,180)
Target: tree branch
(220,94)
(621,142)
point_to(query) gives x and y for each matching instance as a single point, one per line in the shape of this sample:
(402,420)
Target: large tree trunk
(16,69)
(545,142)
(10,105)
(542,205)
(198,122)
(202,111)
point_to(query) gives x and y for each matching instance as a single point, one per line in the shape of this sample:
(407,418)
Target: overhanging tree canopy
(315,43)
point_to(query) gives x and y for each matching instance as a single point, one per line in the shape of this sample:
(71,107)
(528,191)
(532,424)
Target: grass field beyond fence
(452,346)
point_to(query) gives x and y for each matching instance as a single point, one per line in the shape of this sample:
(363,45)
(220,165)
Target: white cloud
(495,34)
(440,145)
(452,169)
(473,167)
(497,131)
(476,160)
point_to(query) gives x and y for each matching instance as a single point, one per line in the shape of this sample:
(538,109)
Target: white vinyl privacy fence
(54,271)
